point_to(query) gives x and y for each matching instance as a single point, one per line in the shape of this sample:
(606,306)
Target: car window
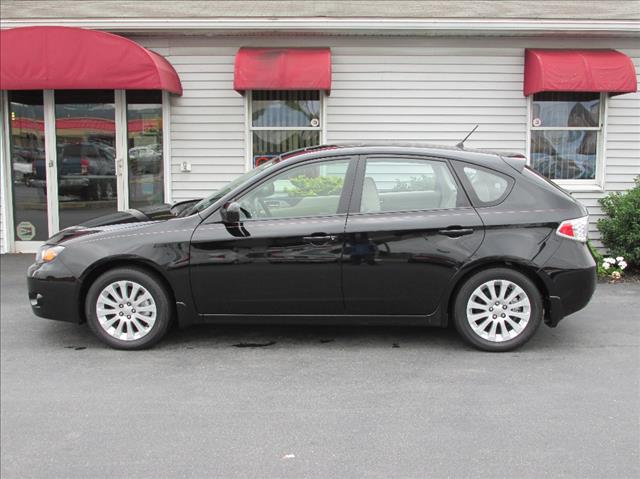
(306,190)
(407,185)
(488,186)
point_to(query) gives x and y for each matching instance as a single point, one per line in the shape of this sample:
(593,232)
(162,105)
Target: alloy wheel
(498,310)
(126,310)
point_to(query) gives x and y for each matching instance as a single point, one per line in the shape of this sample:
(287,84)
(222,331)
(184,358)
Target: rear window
(489,187)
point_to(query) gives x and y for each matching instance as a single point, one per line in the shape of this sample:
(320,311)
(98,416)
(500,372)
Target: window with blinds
(566,130)
(282,121)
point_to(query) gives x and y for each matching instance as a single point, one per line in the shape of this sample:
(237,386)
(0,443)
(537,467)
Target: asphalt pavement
(320,402)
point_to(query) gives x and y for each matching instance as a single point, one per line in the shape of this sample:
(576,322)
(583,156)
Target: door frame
(5,178)
(122,154)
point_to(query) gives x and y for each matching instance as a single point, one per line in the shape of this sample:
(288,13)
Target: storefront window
(28,165)
(565,134)
(86,154)
(144,144)
(282,121)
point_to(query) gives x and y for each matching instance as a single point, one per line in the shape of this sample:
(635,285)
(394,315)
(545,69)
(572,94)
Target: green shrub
(318,186)
(620,232)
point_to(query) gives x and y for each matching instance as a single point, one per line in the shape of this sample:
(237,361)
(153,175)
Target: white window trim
(597,184)
(5,177)
(166,145)
(248,128)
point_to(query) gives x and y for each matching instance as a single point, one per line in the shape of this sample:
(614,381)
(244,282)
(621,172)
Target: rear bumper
(53,292)
(570,277)
(577,288)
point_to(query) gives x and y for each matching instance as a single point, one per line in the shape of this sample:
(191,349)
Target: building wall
(385,89)
(423,89)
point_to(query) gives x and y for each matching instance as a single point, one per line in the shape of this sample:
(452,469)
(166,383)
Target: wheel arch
(101,267)
(529,270)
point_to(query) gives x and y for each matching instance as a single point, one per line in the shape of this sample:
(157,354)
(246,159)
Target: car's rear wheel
(128,308)
(498,309)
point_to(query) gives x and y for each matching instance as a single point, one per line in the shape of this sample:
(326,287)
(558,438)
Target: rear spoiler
(517,161)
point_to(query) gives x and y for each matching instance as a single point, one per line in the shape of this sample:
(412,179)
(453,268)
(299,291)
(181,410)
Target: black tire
(467,289)
(156,289)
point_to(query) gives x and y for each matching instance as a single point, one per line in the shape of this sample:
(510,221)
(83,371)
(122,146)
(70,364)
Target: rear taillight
(575,229)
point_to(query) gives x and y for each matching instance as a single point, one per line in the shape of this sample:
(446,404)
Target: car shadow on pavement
(268,337)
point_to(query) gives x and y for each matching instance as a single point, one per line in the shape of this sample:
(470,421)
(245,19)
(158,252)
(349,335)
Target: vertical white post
(51,159)
(323,117)
(5,177)
(527,143)
(122,156)
(248,134)
(601,154)
(166,145)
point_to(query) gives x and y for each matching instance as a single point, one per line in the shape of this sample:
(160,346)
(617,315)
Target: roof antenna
(461,144)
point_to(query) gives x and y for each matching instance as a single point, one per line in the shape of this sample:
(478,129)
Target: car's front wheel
(498,309)
(128,308)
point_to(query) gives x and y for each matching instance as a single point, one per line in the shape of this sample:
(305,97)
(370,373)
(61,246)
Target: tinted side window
(489,187)
(306,190)
(407,185)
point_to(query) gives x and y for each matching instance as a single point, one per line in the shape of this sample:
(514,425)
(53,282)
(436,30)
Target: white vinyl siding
(427,95)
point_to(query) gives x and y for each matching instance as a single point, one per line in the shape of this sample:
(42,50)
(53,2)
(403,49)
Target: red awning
(283,69)
(63,58)
(578,70)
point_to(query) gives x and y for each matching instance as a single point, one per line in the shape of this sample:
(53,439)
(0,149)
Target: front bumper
(54,292)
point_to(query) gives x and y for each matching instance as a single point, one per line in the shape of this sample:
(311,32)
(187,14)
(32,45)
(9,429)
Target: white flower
(609,260)
(619,258)
(606,265)
(622,264)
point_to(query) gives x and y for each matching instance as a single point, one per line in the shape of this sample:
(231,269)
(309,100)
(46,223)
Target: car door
(284,256)
(410,228)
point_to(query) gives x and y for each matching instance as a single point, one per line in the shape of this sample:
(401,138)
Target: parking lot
(300,401)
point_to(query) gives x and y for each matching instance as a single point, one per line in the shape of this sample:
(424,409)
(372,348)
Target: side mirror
(230,213)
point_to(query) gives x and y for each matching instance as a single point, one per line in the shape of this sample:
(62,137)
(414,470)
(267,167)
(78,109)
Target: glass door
(85,128)
(28,167)
(145,166)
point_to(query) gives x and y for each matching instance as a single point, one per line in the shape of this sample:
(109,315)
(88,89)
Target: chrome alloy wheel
(498,310)
(126,310)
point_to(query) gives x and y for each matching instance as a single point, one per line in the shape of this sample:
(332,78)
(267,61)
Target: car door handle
(455,231)
(319,238)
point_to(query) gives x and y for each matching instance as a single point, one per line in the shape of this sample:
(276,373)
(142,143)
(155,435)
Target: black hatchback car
(335,234)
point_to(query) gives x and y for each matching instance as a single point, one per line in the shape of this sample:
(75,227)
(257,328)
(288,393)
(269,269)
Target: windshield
(216,195)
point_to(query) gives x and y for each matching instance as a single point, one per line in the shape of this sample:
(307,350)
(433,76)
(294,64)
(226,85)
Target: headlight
(48,253)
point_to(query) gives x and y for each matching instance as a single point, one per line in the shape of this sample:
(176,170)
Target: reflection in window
(407,185)
(488,187)
(144,143)
(295,114)
(307,190)
(565,130)
(85,142)
(28,165)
